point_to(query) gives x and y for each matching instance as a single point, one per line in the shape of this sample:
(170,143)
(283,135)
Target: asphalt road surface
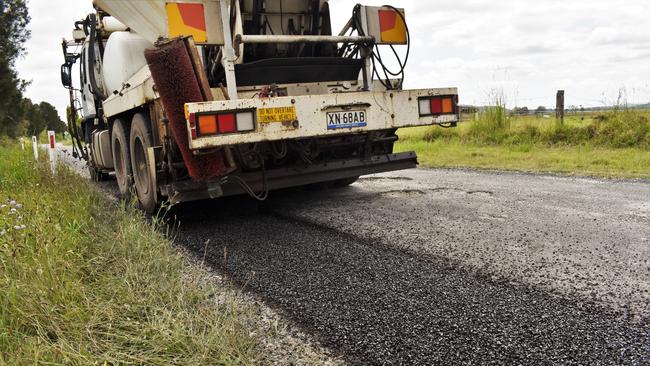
(446,266)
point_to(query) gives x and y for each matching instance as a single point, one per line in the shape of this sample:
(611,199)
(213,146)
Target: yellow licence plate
(276,114)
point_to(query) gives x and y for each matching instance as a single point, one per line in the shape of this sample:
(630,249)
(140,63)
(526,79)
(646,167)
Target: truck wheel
(140,141)
(121,158)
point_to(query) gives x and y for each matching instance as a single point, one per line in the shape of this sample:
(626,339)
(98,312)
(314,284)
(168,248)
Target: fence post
(559,106)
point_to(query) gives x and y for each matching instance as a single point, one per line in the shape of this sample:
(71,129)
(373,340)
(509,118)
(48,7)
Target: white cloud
(590,48)
(51,22)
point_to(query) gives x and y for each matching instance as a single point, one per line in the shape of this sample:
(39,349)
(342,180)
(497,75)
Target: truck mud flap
(294,176)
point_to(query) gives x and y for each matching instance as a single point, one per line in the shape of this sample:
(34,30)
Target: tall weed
(618,128)
(85,282)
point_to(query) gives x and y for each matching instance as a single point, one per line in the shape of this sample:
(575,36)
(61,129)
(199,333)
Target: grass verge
(85,282)
(612,145)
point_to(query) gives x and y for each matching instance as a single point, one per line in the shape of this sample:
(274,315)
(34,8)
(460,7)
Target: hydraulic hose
(92,57)
(377,61)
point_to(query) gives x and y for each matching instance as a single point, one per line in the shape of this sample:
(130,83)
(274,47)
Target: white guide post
(35,145)
(51,137)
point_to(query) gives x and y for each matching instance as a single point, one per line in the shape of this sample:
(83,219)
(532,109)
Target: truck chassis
(293,133)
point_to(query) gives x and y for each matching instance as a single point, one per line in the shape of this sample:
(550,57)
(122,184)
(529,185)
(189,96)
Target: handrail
(239,39)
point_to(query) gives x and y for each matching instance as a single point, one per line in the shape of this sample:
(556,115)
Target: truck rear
(190,100)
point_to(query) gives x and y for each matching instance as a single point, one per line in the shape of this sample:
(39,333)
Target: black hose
(377,61)
(261,196)
(377,58)
(91,55)
(76,151)
(73,128)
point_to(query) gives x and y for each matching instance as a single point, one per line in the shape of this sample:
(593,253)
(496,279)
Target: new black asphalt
(377,304)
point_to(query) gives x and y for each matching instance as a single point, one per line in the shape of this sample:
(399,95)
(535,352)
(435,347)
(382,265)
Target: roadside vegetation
(83,281)
(615,143)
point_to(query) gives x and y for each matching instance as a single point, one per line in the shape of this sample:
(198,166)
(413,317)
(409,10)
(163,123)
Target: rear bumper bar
(383,110)
(293,176)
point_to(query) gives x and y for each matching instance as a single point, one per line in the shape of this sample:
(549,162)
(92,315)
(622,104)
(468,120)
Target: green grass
(86,282)
(579,160)
(615,144)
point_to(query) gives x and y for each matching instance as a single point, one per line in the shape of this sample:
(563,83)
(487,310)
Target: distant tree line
(18,115)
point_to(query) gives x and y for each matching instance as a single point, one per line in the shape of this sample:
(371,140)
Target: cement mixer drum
(153,19)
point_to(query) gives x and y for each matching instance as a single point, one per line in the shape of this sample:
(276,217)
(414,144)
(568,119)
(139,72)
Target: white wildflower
(3,206)
(19,206)
(2,232)
(12,203)
(12,211)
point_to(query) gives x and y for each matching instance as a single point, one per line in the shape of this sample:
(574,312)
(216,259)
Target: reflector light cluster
(211,124)
(438,105)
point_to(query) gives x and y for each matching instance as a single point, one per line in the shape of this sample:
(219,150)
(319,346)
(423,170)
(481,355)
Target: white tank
(110,25)
(123,57)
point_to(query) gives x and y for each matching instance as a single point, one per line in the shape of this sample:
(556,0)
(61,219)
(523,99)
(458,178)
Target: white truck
(194,99)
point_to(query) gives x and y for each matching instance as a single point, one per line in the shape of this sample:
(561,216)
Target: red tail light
(193,125)
(211,124)
(227,123)
(438,105)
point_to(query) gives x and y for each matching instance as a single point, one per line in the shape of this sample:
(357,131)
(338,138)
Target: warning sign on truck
(276,114)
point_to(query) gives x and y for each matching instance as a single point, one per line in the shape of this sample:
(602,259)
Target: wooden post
(559,106)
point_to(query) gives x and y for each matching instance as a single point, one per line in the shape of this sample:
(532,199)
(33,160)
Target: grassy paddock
(85,282)
(611,144)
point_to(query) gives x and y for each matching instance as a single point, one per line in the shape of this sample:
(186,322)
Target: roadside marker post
(559,106)
(52,140)
(35,144)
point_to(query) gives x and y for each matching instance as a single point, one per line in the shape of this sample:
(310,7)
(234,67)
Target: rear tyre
(140,142)
(121,157)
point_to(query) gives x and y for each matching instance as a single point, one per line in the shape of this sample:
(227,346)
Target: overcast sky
(523,50)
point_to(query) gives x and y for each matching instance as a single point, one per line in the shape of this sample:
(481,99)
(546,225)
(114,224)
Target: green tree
(523,111)
(11,112)
(36,123)
(51,117)
(14,18)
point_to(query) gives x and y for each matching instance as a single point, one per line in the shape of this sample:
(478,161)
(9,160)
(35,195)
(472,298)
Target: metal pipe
(229,54)
(302,39)
(347,27)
